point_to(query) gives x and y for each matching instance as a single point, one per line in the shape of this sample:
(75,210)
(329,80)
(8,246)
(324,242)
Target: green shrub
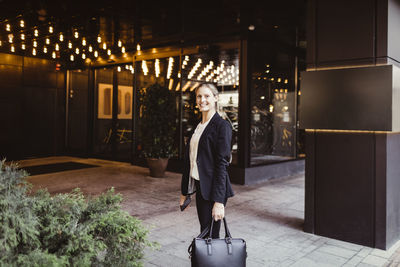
(38,229)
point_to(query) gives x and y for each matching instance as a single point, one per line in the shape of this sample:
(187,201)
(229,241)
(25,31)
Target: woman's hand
(218,211)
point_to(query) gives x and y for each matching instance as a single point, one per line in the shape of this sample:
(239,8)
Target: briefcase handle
(209,229)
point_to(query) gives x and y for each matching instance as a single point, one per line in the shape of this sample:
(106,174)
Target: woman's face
(205,99)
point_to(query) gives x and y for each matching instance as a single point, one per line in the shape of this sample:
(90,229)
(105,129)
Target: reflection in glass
(107,101)
(273,126)
(128,102)
(220,67)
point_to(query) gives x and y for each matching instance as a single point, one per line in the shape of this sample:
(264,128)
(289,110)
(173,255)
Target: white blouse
(194,143)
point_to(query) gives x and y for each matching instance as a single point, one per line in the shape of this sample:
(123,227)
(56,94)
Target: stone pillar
(350,108)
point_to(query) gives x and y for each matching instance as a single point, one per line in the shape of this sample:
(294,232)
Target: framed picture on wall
(105,96)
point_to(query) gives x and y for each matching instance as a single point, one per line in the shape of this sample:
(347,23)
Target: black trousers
(204,212)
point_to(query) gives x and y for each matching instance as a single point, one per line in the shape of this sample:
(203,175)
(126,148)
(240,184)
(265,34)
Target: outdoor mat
(56,167)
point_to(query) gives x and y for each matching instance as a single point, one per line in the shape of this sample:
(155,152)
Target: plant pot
(157,166)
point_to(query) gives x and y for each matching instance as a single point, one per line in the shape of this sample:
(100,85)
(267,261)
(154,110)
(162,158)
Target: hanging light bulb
(71,57)
(12,48)
(22,23)
(119,43)
(138,47)
(8,27)
(22,36)
(57,47)
(83,56)
(96,54)
(69,45)
(104,46)
(119,69)
(23,46)
(109,52)
(47,41)
(123,49)
(84,42)
(34,43)
(50,29)
(45,50)
(61,37)
(76,34)
(10,38)
(90,48)
(1,43)
(99,39)
(36,32)
(34,51)
(77,50)
(53,55)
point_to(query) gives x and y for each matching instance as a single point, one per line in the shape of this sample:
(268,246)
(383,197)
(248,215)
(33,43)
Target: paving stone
(354,261)
(338,251)
(325,258)
(374,260)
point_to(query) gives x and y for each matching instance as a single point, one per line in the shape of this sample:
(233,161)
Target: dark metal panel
(10,77)
(311,34)
(10,59)
(393,189)
(380,190)
(344,203)
(345,30)
(381,29)
(309,200)
(347,99)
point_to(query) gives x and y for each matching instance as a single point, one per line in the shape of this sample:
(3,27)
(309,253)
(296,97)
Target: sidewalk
(268,216)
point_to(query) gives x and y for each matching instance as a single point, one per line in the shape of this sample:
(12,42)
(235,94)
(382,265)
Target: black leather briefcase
(227,252)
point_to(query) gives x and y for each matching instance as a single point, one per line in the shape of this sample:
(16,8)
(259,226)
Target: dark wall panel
(347,99)
(345,30)
(393,30)
(344,186)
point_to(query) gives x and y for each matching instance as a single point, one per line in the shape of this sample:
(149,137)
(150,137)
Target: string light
(45,50)
(53,55)
(71,57)
(23,46)
(83,56)
(47,41)
(61,37)
(84,42)
(1,43)
(104,46)
(50,29)
(99,39)
(10,38)
(69,45)
(22,23)
(34,51)
(109,52)
(123,49)
(90,48)
(8,27)
(138,47)
(34,43)
(57,47)
(22,36)
(119,69)
(96,54)
(119,43)
(76,34)
(144,67)
(77,50)
(36,32)
(12,48)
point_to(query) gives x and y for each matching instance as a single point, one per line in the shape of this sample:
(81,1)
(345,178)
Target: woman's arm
(222,157)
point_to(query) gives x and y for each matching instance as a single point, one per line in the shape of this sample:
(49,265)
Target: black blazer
(213,156)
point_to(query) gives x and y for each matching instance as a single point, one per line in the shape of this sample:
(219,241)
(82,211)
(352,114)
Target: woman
(207,157)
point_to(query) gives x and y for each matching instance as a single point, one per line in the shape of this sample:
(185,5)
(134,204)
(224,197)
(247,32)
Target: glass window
(221,67)
(273,109)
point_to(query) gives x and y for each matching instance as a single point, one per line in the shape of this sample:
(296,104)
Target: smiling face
(205,99)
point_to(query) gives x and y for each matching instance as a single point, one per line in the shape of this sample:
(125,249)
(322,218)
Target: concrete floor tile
(338,251)
(374,260)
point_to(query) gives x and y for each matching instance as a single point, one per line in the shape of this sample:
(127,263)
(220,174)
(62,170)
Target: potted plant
(158,125)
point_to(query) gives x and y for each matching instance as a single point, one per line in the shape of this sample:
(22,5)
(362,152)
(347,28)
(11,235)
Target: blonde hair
(213,90)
